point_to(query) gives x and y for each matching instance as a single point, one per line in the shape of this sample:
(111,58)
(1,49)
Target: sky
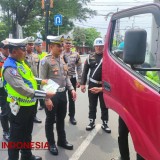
(107,7)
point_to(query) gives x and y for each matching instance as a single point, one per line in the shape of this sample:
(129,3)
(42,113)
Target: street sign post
(58,21)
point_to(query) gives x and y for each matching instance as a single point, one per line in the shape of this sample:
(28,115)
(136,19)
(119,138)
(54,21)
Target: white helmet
(98,42)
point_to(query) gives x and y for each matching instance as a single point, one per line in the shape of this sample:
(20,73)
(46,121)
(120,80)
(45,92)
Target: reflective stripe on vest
(28,79)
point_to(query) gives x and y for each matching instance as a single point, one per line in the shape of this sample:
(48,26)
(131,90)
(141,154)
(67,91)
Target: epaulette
(48,55)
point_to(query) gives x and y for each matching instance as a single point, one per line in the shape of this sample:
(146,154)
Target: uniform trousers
(21,127)
(71,101)
(93,101)
(5,113)
(56,115)
(123,141)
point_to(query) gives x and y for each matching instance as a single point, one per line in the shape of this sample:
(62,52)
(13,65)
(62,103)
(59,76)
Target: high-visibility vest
(153,75)
(28,79)
(42,55)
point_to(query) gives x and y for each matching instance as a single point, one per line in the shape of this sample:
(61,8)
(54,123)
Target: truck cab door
(133,94)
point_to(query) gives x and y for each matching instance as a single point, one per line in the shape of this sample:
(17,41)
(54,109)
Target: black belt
(61,89)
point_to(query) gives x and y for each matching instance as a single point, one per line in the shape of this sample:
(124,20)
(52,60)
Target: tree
(25,12)
(85,36)
(3,31)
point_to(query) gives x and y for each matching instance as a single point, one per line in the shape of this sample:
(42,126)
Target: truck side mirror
(135,46)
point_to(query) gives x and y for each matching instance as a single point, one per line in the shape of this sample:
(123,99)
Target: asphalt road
(94,145)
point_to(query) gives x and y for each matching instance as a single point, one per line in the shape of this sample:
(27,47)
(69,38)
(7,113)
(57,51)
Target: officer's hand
(95,90)
(74,95)
(78,85)
(83,88)
(49,104)
(50,94)
(44,81)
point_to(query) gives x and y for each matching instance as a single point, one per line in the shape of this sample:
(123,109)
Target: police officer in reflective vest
(74,63)
(41,55)
(53,67)
(94,64)
(32,61)
(21,88)
(3,95)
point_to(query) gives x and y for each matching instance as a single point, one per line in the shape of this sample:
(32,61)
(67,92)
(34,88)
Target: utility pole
(47,5)
(46,23)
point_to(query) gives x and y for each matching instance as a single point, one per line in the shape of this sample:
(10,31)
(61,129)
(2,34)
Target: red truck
(128,91)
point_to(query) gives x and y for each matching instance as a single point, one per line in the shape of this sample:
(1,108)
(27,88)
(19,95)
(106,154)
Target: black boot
(91,125)
(105,127)
(53,149)
(73,121)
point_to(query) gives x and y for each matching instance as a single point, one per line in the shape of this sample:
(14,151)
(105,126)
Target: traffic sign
(58,20)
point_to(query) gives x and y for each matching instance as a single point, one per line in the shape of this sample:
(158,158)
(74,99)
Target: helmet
(38,42)
(98,42)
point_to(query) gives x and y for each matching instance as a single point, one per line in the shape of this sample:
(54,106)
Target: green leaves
(85,36)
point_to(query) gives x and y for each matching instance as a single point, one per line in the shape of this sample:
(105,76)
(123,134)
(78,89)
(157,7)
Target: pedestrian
(41,55)
(74,63)
(32,61)
(94,64)
(53,67)
(3,95)
(21,87)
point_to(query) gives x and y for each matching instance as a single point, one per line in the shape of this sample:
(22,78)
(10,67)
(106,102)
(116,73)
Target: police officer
(53,67)
(21,87)
(74,63)
(94,64)
(41,55)
(3,95)
(32,61)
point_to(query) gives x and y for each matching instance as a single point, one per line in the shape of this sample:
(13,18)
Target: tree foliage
(25,12)
(85,36)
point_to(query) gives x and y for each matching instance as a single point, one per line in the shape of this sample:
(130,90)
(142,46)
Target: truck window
(152,59)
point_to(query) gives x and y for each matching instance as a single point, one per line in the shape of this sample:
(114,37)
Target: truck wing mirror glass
(135,46)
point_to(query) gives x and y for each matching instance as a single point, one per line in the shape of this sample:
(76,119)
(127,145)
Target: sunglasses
(68,43)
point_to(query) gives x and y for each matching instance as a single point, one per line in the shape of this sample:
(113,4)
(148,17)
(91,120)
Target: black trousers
(93,100)
(123,141)
(21,127)
(5,113)
(71,102)
(56,115)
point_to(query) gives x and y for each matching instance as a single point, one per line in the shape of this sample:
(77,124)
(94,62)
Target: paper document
(51,86)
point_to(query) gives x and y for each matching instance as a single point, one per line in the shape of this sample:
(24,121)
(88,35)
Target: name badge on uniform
(65,67)
(55,71)
(42,62)
(13,72)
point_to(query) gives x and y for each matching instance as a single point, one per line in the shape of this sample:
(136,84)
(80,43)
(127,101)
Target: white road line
(77,154)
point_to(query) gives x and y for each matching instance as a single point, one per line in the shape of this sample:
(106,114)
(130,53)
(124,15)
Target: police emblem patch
(13,72)
(42,62)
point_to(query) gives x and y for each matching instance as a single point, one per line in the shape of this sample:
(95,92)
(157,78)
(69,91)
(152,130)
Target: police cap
(38,42)
(67,39)
(16,43)
(4,44)
(55,39)
(31,39)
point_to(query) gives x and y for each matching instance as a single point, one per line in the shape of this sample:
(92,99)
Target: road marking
(77,154)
